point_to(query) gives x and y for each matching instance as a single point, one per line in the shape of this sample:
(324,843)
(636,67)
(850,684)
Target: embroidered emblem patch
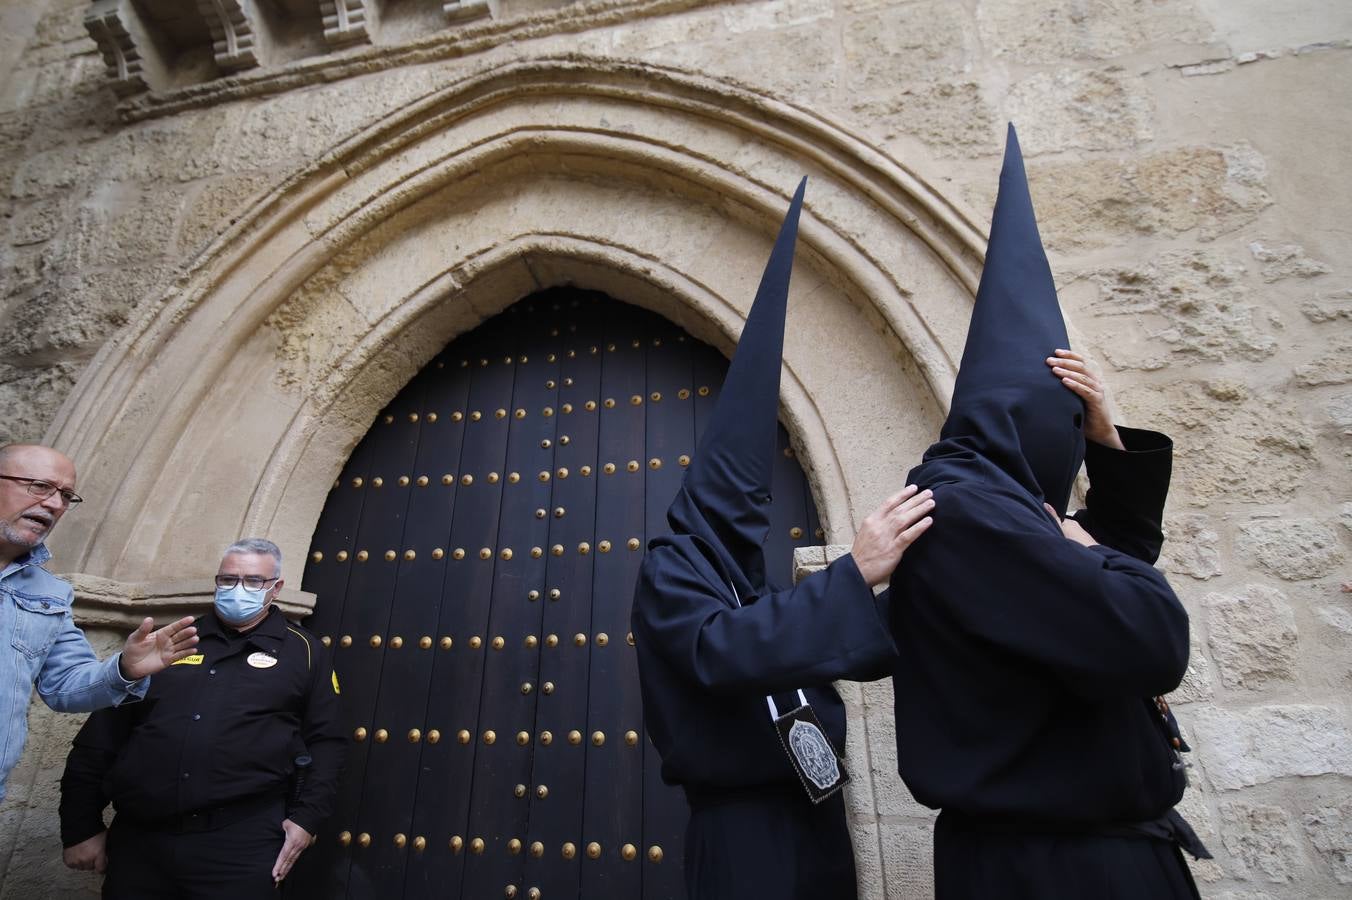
(814,754)
(194,660)
(261,660)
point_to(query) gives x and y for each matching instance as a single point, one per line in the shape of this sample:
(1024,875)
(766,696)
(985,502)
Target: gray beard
(10,535)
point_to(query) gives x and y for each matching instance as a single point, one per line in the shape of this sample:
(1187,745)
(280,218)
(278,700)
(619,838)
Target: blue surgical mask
(238,604)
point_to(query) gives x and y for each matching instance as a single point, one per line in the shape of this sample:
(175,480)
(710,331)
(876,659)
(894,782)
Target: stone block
(119,224)
(1225,439)
(906,44)
(1190,547)
(1195,811)
(951,118)
(216,205)
(1253,637)
(1260,839)
(1058,30)
(1096,202)
(1240,748)
(1073,109)
(82,312)
(30,397)
(1197,682)
(908,859)
(1291,549)
(1329,829)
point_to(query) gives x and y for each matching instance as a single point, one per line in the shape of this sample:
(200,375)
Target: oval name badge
(261,660)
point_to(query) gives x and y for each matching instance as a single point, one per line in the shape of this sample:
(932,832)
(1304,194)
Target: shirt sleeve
(1127,490)
(1101,621)
(73,679)
(826,628)
(324,744)
(92,754)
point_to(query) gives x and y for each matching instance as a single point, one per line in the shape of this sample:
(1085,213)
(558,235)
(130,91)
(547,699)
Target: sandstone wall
(1188,160)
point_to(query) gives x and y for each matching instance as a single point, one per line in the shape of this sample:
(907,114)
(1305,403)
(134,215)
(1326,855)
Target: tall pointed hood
(725,496)
(1007,405)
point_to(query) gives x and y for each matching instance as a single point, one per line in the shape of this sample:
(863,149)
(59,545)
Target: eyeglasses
(43,489)
(253,583)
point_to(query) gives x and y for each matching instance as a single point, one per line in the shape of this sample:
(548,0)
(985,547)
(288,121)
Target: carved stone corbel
(238,33)
(130,46)
(348,21)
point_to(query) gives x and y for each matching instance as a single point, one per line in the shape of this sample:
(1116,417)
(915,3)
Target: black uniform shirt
(218,727)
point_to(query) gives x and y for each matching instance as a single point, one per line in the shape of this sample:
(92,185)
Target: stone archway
(287,333)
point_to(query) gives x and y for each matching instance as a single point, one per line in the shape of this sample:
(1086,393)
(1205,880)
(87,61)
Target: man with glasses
(224,774)
(43,647)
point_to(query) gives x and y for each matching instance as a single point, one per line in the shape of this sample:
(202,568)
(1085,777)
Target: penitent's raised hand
(889,530)
(1079,377)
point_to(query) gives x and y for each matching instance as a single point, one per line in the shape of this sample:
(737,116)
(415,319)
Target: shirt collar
(35,557)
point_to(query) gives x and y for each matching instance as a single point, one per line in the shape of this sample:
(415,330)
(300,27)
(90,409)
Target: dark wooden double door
(474,566)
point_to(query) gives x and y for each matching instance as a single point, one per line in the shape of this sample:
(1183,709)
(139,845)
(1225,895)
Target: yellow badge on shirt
(194,660)
(335,683)
(261,660)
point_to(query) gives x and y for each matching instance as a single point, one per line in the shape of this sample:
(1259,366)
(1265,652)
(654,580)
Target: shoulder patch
(194,660)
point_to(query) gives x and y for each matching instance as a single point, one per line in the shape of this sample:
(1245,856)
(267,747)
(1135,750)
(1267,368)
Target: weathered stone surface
(1197,813)
(953,119)
(1190,547)
(1071,109)
(1242,747)
(1329,829)
(905,44)
(119,224)
(1291,549)
(1285,261)
(1189,303)
(1339,409)
(30,397)
(38,221)
(1197,684)
(1259,837)
(1334,366)
(1333,306)
(1226,444)
(1214,190)
(730,56)
(216,205)
(1253,637)
(908,859)
(1053,32)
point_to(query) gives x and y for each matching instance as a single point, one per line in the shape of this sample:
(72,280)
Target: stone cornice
(364,60)
(118,604)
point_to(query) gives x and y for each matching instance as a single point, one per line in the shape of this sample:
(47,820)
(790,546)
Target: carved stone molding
(464,10)
(347,21)
(119,604)
(236,32)
(128,46)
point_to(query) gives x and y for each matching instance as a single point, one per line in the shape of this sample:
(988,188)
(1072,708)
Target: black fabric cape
(1024,679)
(705,667)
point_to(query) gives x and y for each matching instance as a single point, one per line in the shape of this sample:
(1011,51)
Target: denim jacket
(42,646)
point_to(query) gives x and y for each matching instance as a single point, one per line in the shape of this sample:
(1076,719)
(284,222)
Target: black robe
(706,666)
(1025,675)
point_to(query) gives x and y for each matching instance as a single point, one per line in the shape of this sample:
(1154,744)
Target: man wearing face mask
(207,777)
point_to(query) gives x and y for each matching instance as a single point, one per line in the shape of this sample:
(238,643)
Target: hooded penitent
(714,635)
(1027,661)
(725,497)
(1007,407)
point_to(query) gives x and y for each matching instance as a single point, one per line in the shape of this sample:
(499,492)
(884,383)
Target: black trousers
(974,864)
(768,843)
(233,862)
